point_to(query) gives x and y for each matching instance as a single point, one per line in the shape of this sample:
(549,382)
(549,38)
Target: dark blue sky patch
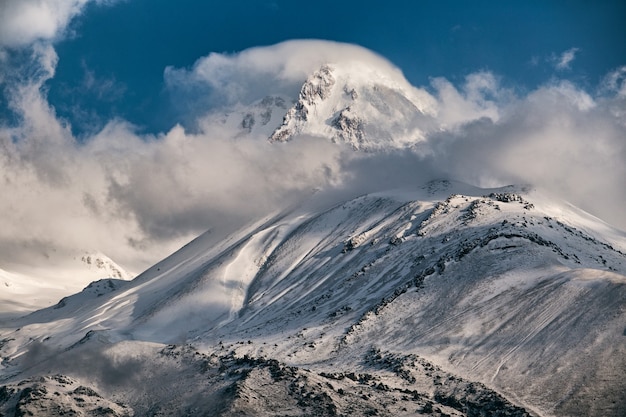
(128,45)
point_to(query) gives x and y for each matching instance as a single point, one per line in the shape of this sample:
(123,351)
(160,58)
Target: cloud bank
(138,197)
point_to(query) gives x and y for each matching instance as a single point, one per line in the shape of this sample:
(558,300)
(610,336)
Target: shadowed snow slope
(419,298)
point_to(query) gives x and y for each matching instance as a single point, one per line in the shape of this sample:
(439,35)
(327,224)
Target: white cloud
(135,197)
(138,197)
(615,82)
(557,137)
(477,99)
(25,21)
(222,79)
(563,61)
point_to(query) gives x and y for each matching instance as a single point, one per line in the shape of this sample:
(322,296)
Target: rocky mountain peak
(316,88)
(365,108)
(366,113)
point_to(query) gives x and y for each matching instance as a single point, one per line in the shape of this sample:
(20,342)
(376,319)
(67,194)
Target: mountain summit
(366,108)
(365,115)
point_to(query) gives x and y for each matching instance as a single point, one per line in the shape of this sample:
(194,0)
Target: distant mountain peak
(351,104)
(364,112)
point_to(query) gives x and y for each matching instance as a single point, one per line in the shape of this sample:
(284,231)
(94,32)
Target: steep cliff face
(316,89)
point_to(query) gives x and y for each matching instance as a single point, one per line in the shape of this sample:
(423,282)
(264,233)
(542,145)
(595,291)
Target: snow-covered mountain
(443,299)
(436,299)
(347,103)
(366,113)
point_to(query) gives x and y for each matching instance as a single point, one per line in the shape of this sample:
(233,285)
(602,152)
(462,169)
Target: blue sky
(126,46)
(107,140)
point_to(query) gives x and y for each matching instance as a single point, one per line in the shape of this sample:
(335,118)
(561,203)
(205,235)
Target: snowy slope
(508,288)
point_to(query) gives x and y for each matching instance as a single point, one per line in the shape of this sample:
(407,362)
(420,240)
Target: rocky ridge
(365,116)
